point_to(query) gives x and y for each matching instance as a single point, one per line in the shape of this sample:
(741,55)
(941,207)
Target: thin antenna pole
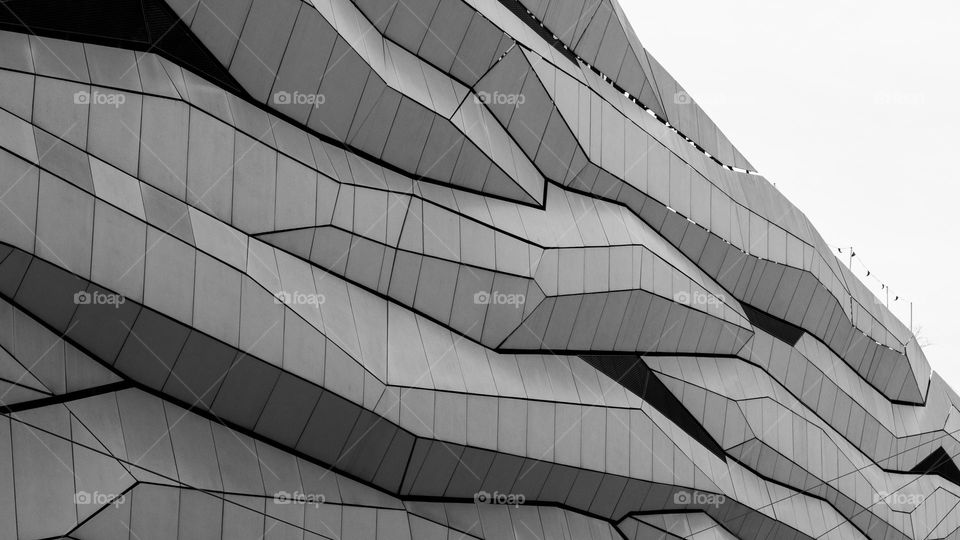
(850,266)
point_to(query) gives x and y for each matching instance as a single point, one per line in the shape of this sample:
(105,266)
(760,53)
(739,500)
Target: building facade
(380,269)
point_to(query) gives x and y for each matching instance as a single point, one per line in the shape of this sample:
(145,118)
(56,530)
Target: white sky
(853,110)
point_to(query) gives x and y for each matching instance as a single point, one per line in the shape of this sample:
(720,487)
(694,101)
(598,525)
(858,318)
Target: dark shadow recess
(632,373)
(141,25)
(940,464)
(777,328)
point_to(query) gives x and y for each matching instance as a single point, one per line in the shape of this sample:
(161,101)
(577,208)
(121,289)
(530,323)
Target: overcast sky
(851,109)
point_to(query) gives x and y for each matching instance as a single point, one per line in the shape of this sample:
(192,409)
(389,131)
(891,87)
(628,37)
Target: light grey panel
(209,167)
(164,141)
(262,42)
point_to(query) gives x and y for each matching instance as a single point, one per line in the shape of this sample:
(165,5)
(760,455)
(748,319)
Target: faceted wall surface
(381,269)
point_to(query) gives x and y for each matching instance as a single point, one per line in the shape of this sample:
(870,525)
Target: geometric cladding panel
(381,269)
